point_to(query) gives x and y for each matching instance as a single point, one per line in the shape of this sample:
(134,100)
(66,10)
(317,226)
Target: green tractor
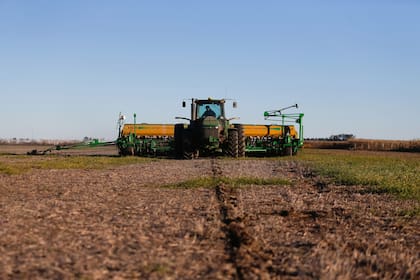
(209,132)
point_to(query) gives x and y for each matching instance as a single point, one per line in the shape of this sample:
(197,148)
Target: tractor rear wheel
(241,140)
(188,155)
(178,135)
(232,149)
(187,149)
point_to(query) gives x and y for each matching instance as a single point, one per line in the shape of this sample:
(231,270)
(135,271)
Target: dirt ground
(119,223)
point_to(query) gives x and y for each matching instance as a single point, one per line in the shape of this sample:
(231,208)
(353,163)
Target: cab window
(208,109)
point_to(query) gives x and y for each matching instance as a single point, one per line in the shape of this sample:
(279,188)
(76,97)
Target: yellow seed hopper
(257,130)
(148,130)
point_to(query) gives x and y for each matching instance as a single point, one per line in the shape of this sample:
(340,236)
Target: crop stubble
(118,223)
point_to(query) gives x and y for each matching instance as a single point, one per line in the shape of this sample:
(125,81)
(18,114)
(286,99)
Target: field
(325,214)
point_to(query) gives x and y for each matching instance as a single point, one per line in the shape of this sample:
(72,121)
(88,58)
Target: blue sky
(67,68)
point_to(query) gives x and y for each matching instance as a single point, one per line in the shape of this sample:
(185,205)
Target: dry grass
(385,145)
(366,145)
(13,165)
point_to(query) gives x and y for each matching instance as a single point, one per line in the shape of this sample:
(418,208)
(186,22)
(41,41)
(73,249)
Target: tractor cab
(208,122)
(208,108)
(202,108)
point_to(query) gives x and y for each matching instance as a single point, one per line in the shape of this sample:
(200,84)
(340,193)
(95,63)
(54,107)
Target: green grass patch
(414,212)
(396,173)
(159,269)
(203,182)
(13,165)
(210,182)
(241,181)
(7,169)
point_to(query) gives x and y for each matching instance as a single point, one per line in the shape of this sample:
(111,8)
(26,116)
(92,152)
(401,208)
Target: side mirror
(184,104)
(235,104)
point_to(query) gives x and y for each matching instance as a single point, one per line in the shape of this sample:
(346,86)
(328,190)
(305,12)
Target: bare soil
(120,223)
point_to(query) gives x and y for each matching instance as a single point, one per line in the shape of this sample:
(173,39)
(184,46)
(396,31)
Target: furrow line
(245,252)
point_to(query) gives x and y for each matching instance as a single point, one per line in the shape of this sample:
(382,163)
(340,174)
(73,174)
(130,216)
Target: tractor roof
(209,100)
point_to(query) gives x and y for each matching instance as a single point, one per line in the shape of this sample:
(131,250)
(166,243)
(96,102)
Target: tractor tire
(241,140)
(232,149)
(187,149)
(178,135)
(188,155)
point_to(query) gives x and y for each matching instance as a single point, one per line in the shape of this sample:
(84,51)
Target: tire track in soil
(245,252)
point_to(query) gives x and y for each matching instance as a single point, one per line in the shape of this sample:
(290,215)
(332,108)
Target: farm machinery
(144,139)
(209,132)
(275,139)
(94,143)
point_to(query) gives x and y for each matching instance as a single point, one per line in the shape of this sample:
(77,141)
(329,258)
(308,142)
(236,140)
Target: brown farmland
(135,221)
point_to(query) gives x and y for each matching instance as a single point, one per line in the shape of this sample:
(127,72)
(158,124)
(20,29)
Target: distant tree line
(338,137)
(26,141)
